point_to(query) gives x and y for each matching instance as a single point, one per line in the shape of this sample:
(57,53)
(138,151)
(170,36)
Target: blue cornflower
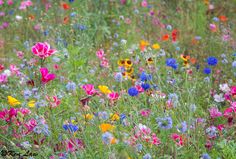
(71,86)
(216,19)
(205,156)
(103,115)
(234,64)
(182,127)
(171,62)
(212,61)
(73,14)
(147,156)
(118,77)
(71,1)
(122,116)
(145,77)
(106,137)
(46,32)
(164,123)
(27,94)
(132,91)
(211,132)
(139,147)
(82,27)
(145,86)
(207,70)
(71,127)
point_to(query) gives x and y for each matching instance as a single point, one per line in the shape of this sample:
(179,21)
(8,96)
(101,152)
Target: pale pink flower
(25,4)
(14,70)
(42,50)
(144,3)
(100,54)
(214,112)
(20,54)
(54,101)
(3,78)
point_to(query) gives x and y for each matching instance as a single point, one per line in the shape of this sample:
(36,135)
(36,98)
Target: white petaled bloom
(219,98)
(123,41)
(224,87)
(18,17)
(7,72)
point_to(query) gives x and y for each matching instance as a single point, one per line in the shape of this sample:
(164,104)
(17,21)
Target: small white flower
(7,72)
(19,17)
(224,87)
(219,98)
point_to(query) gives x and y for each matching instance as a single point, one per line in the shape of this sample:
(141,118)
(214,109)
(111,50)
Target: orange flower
(165,37)
(106,127)
(193,60)
(65,6)
(31,17)
(223,18)
(143,44)
(66,20)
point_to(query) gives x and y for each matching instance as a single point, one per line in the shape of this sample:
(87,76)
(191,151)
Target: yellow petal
(31,104)
(13,101)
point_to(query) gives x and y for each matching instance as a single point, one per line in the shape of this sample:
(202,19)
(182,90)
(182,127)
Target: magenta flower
(89,89)
(113,96)
(145,112)
(46,77)
(42,50)
(233,90)
(178,139)
(74,144)
(3,78)
(214,112)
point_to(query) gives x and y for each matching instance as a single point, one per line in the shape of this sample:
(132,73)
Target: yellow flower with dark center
(121,62)
(128,63)
(115,117)
(31,103)
(184,57)
(104,89)
(130,71)
(106,127)
(156,46)
(149,60)
(13,101)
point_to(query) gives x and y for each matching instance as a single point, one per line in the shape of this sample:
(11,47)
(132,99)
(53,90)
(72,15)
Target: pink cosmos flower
(1,2)
(213,27)
(74,144)
(100,54)
(89,89)
(20,54)
(30,125)
(228,113)
(113,96)
(25,4)
(178,139)
(42,50)
(10,2)
(46,77)
(139,88)
(105,63)
(144,3)
(3,78)
(54,101)
(214,112)
(233,90)
(145,112)
(14,70)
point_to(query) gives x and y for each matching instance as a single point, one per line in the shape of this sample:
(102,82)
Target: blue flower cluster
(171,62)
(164,123)
(71,127)
(212,61)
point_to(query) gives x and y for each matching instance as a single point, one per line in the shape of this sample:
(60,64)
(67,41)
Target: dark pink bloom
(228,113)
(24,111)
(46,77)
(145,112)
(220,127)
(214,112)
(155,140)
(30,124)
(74,144)
(113,96)
(1,67)
(227,96)
(233,90)
(42,50)
(139,88)
(178,139)
(89,89)
(100,54)
(10,2)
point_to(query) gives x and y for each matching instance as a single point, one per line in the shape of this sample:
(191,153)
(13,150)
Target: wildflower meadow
(117,79)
